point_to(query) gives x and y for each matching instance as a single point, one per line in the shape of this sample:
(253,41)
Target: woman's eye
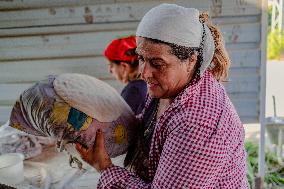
(156,64)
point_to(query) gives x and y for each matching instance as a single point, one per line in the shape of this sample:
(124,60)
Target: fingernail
(99,131)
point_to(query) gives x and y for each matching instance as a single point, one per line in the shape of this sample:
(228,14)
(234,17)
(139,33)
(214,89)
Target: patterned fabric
(198,142)
(41,111)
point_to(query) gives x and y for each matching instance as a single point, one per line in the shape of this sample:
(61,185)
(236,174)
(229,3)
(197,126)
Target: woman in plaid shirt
(192,136)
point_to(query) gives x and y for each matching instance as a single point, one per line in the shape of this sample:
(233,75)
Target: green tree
(275,40)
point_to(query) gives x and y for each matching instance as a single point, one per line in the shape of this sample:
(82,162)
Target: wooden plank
(50,41)
(245,58)
(101,13)
(244,72)
(31,71)
(247,105)
(20,72)
(63,29)
(115,12)
(241,33)
(5,114)
(235,7)
(241,19)
(246,119)
(217,7)
(242,46)
(243,80)
(28,4)
(232,33)
(92,43)
(52,46)
(250,109)
(35,4)
(11,92)
(70,15)
(242,86)
(239,96)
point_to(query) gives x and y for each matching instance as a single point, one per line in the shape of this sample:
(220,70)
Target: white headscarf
(178,25)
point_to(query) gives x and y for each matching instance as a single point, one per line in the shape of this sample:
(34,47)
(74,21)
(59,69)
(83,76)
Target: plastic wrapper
(15,141)
(70,108)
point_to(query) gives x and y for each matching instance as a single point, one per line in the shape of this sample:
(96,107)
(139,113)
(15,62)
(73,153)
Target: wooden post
(258,183)
(264,26)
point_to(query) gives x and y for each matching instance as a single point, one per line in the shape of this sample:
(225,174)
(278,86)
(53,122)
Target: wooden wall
(39,38)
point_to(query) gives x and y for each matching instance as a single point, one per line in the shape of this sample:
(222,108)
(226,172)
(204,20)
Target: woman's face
(119,71)
(164,73)
(115,70)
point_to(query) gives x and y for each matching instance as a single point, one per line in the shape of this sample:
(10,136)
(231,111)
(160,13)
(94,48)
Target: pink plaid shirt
(198,142)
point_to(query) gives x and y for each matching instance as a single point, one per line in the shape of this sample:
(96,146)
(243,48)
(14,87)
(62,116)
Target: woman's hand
(97,155)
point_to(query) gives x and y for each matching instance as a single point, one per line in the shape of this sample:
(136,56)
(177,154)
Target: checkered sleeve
(191,158)
(117,177)
(195,156)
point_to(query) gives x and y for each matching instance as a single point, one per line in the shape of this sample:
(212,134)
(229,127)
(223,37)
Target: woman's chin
(154,94)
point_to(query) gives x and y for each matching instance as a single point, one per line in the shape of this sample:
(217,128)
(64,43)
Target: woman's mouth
(151,86)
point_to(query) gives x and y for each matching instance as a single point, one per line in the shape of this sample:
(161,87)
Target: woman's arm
(192,157)
(189,159)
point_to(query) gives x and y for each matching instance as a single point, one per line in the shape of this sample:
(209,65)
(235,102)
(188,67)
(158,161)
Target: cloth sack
(70,108)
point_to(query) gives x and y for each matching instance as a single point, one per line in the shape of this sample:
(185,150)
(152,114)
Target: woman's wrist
(105,167)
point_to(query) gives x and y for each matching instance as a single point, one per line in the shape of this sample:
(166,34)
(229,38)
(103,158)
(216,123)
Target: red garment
(198,142)
(117,49)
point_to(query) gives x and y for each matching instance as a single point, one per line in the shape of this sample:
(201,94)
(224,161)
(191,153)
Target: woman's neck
(133,75)
(163,105)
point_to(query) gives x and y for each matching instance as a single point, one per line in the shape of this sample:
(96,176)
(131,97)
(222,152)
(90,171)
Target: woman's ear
(192,60)
(125,71)
(126,67)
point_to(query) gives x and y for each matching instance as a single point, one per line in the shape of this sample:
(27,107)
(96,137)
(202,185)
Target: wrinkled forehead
(146,46)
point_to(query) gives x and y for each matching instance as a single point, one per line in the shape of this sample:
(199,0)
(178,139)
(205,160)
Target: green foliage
(269,16)
(275,40)
(274,175)
(275,44)
(252,161)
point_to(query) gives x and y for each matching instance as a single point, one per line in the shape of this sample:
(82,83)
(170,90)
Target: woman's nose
(146,71)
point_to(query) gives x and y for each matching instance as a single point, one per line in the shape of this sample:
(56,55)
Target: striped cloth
(198,142)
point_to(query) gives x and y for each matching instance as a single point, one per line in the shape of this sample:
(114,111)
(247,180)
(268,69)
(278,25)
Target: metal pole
(274,106)
(264,24)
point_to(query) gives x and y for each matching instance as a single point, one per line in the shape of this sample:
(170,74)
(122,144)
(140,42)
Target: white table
(51,169)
